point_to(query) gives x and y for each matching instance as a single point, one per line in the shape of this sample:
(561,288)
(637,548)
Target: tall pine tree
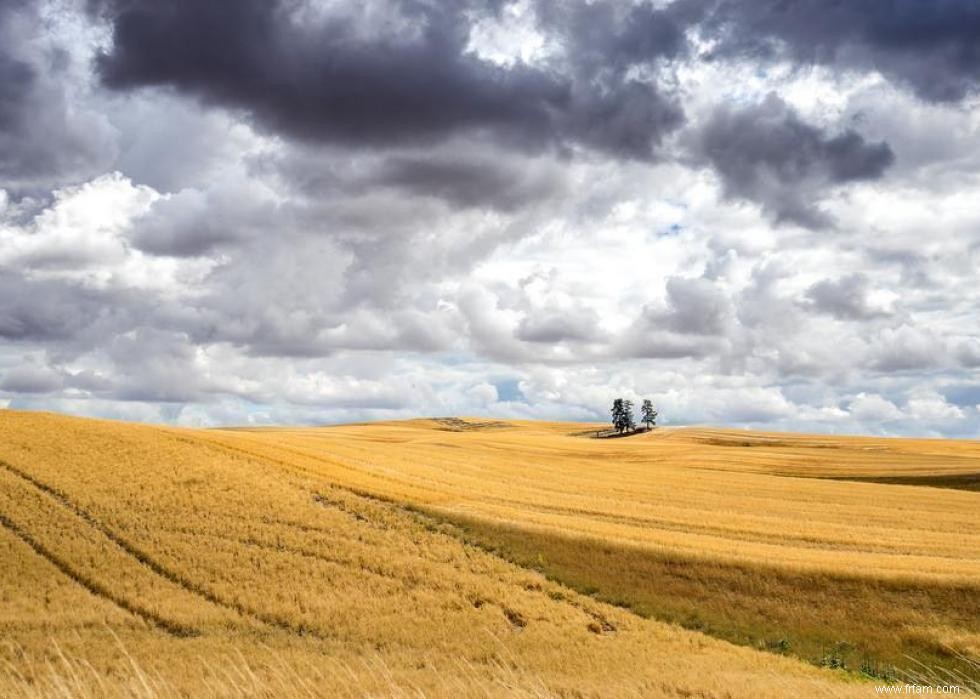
(629,420)
(618,415)
(648,414)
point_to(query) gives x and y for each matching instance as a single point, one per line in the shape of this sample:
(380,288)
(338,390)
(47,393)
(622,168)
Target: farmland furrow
(94,586)
(144,559)
(253,542)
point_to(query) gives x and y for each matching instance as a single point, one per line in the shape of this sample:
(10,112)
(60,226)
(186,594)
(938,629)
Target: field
(481,558)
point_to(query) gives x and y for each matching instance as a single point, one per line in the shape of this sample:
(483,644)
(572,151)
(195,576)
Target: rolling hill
(468,557)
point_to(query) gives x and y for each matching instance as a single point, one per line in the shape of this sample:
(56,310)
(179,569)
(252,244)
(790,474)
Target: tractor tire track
(253,542)
(147,561)
(95,587)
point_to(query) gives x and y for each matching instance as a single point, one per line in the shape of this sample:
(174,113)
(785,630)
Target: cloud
(82,227)
(874,408)
(968,353)
(155,365)
(765,153)
(604,37)
(297,211)
(46,137)
(31,378)
(170,144)
(930,47)
(493,182)
(692,323)
(490,328)
(192,222)
(846,298)
(344,78)
(551,325)
(696,306)
(50,311)
(929,406)
(906,348)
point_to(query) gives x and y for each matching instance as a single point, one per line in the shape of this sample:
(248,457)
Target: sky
(759,213)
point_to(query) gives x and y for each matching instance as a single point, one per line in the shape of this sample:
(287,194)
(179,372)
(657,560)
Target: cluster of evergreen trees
(622,415)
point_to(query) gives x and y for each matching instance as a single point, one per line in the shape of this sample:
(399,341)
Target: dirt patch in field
(458,424)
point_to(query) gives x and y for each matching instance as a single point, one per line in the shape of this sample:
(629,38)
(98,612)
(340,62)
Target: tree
(622,415)
(630,423)
(618,415)
(648,414)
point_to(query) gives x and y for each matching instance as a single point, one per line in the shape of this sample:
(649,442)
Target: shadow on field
(956,481)
(609,434)
(882,629)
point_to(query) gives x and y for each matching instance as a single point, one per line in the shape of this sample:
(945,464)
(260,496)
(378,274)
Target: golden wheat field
(468,557)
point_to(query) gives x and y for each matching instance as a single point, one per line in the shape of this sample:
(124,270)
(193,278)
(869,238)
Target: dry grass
(140,560)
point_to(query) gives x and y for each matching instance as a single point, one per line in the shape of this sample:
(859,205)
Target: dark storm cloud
(469,183)
(320,82)
(44,139)
(607,47)
(16,80)
(932,46)
(461,175)
(606,38)
(329,80)
(767,154)
(17,76)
